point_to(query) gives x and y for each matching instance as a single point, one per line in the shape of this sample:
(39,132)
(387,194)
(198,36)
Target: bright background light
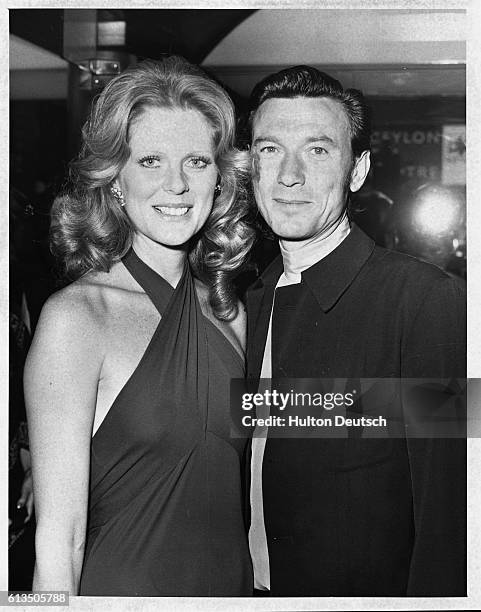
(436,212)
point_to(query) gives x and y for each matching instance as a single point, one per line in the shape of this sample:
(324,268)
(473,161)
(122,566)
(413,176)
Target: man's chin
(292,233)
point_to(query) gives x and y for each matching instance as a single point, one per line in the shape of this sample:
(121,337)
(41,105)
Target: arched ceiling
(380,51)
(343,36)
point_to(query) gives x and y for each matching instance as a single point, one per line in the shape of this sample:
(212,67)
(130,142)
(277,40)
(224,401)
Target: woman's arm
(61,377)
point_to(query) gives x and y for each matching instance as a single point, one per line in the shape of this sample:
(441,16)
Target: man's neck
(297,256)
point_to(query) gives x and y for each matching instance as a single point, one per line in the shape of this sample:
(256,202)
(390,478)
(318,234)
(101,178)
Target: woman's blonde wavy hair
(90,231)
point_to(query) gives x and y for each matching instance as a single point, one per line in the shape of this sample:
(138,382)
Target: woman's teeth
(173,211)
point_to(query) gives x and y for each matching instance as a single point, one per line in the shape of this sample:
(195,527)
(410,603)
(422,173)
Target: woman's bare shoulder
(77,304)
(84,305)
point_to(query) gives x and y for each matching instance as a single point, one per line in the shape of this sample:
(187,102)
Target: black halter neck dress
(165,508)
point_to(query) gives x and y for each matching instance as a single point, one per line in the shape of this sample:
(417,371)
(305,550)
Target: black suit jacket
(353,517)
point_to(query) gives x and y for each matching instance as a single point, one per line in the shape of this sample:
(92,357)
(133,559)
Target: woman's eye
(198,163)
(149,162)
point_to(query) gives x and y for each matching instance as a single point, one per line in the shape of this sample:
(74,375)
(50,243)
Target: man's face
(303,165)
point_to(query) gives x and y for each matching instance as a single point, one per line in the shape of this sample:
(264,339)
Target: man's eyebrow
(265,139)
(322,138)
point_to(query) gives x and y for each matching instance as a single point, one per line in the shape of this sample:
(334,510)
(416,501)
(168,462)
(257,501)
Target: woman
(139,355)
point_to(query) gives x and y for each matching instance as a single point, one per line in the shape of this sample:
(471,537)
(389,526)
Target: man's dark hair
(308,82)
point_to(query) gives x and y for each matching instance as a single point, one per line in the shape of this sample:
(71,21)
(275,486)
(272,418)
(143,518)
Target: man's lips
(290,201)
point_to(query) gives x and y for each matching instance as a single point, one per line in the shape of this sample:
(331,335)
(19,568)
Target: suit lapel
(259,303)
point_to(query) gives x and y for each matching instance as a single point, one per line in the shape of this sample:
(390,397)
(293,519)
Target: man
(352,516)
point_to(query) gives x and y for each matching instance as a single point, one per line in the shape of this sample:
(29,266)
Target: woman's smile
(172,211)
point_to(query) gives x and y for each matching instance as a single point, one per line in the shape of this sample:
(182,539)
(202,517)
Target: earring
(118,195)
(217,191)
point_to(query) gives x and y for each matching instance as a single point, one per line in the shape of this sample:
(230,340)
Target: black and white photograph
(242,306)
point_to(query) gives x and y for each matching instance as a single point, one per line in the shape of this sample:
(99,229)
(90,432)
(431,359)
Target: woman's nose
(174,180)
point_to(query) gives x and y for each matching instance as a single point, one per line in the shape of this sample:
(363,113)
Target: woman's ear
(360,171)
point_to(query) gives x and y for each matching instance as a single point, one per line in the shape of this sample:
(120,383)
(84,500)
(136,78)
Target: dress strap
(180,341)
(154,285)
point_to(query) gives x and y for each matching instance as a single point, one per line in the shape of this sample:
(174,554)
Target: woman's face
(169,179)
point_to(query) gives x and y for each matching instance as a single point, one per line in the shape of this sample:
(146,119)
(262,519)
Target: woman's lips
(173,211)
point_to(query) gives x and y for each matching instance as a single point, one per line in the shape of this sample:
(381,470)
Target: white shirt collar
(297,256)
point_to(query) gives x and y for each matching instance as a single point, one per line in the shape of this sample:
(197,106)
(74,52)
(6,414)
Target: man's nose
(174,180)
(291,171)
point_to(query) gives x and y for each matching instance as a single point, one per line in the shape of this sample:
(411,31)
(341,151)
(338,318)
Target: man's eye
(319,151)
(198,163)
(268,149)
(149,162)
